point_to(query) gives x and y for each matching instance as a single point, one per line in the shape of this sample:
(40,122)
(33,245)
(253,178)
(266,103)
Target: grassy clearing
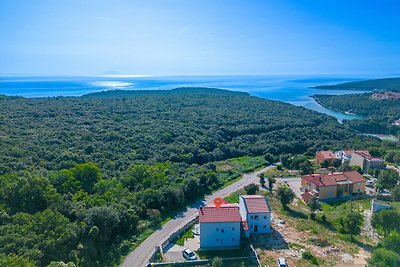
(185,235)
(242,164)
(274,172)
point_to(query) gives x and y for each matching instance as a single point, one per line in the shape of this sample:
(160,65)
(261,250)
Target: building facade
(331,186)
(322,156)
(255,211)
(219,227)
(364,160)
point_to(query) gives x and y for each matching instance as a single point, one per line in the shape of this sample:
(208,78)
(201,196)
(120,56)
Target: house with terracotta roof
(322,156)
(332,186)
(255,213)
(346,155)
(220,227)
(363,159)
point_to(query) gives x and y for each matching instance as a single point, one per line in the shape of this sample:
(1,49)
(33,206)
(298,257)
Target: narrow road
(141,255)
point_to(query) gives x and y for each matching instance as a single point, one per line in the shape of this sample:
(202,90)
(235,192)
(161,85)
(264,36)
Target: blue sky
(171,37)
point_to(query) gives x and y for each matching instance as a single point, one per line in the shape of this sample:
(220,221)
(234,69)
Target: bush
(306,255)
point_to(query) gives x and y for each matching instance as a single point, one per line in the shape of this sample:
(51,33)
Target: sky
(199,37)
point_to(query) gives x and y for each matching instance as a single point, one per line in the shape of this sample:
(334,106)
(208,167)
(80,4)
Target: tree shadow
(367,247)
(295,213)
(274,240)
(327,224)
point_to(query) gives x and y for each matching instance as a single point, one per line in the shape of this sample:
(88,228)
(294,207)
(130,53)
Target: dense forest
(83,180)
(379,114)
(368,85)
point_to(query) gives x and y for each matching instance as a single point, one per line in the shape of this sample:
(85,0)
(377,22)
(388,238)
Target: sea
(294,89)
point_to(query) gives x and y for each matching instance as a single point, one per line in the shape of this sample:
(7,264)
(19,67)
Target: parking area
(173,252)
(293,183)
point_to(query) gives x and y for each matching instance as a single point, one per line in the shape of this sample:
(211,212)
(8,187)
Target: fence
(174,235)
(199,262)
(256,254)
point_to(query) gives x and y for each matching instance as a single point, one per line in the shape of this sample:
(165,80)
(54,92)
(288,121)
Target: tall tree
(262,180)
(271,182)
(352,223)
(314,205)
(386,221)
(251,189)
(285,195)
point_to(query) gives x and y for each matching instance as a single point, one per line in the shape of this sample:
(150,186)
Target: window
(265,226)
(256,217)
(265,217)
(233,228)
(251,217)
(222,230)
(233,239)
(217,229)
(217,239)
(251,226)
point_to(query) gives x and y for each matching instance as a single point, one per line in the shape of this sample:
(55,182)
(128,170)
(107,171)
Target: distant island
(368,85)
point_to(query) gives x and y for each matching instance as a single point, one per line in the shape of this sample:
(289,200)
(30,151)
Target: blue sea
(291,89)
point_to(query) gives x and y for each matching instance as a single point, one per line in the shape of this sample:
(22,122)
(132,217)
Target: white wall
(242,208)
(260,222)
(263,222)
(219,234)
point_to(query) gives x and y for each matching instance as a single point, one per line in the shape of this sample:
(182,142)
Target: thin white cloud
(185,29)
(207,33)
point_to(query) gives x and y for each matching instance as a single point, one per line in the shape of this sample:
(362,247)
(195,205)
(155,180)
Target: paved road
(141,255)
(293,183)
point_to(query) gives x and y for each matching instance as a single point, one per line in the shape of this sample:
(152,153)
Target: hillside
(86,179)
(380,114)
(368,85)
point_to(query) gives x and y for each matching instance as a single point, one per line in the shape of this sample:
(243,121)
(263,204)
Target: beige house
(365,161)
(331,186)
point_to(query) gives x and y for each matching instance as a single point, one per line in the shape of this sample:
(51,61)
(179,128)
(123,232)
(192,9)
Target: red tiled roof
(327,154)
(225,213)
(255,204)
(332,179)
(306,196)
(354,176)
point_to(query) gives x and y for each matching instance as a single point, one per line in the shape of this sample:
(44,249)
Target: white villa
(222,227)
(255,212)
(219,227)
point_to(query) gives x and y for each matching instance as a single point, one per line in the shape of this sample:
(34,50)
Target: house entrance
(255,228)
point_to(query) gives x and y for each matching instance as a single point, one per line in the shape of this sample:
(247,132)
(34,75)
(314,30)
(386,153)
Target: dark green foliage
(271,182)
(285,195)
(42,237)
(388,178)
(314,205)
(262,180)
(155,127)
(396,193)
(351,224)
(384,258)
(386,221)
(368,85)
(155,151)
(379,114)
(391,242)
(251,189)
(310,257)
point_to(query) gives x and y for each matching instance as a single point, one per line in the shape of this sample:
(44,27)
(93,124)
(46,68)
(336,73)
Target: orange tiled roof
(225,213)
(255,204)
